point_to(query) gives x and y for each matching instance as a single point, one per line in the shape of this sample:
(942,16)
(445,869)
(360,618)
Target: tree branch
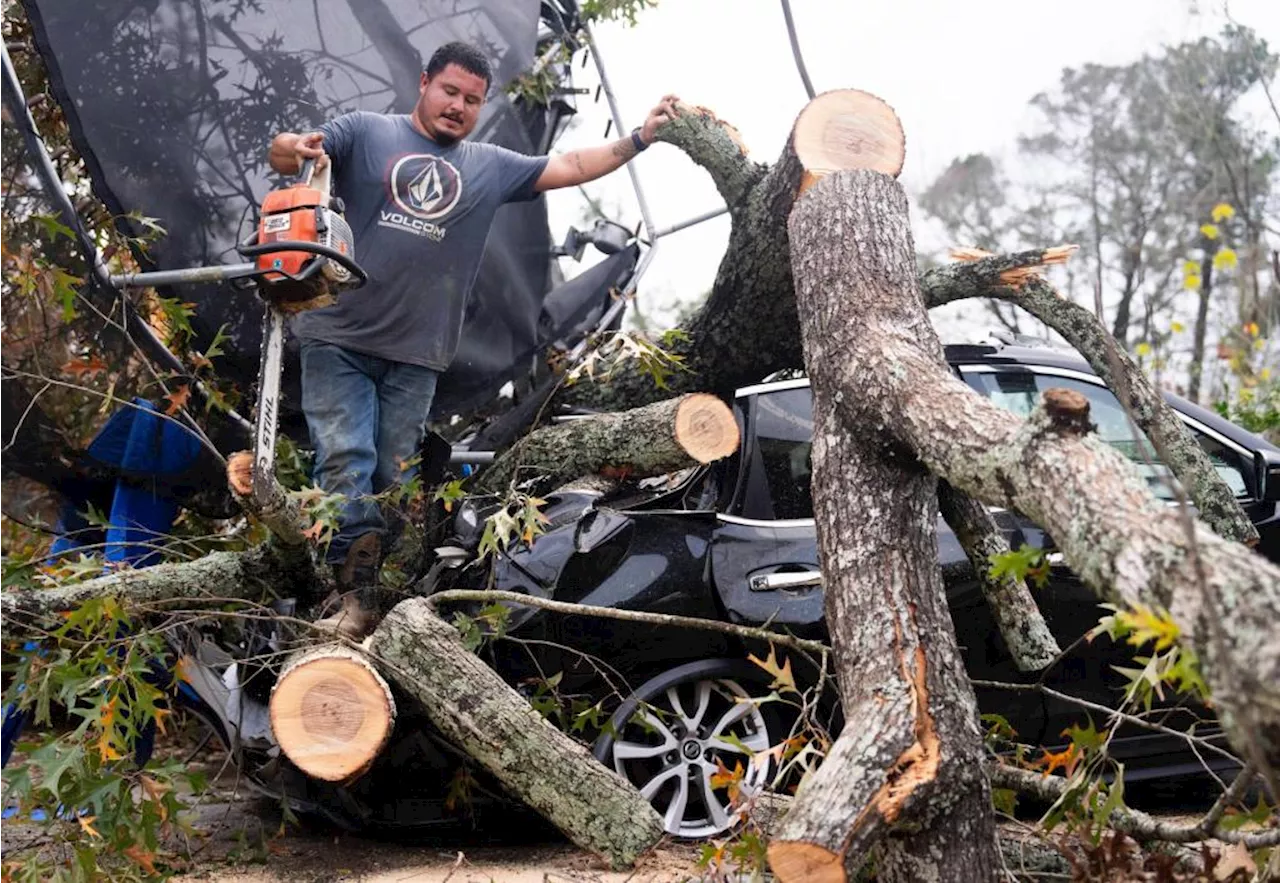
(1020,621)
(1137,823)
(665,619)
(1014,278)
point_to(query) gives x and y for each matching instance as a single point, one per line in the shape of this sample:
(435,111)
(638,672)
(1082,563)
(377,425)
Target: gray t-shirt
(420,214)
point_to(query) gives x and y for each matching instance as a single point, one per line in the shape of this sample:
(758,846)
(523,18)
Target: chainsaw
(303,255)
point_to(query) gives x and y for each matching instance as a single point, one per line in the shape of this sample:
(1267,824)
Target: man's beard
(445,139)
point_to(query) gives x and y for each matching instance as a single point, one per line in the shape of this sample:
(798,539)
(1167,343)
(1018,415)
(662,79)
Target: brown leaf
(1232,859)
(178,399)
(81,368)
(144,859)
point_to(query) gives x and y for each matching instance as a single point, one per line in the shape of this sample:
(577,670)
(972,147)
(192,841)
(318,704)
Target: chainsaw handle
(307,172)
(251,247)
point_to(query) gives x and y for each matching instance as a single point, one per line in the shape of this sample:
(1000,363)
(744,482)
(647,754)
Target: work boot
(356,577)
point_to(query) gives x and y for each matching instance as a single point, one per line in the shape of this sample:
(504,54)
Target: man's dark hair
(465,56)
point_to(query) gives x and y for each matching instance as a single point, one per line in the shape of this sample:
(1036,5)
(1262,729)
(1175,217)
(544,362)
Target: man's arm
(288,151)
(579,166)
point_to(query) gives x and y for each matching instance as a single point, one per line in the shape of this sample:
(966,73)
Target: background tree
(1130,161)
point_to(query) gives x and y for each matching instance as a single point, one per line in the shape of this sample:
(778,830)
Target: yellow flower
(1259,344)
(1143,349)
(1265,373)
(1210,231)
(1177,328)
(1251,329)
(1192,283)
(1224,259)
(1190,268)
(1222,211)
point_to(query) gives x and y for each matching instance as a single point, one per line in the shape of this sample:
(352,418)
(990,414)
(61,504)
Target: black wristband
(637,142)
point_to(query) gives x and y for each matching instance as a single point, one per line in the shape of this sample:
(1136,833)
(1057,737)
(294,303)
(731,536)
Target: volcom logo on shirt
(424,187)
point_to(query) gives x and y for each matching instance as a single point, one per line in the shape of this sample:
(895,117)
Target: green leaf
(1005,800)
(54,228)
(1114,801)
(1020,564)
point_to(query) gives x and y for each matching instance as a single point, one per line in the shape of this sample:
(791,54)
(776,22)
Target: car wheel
(673,734)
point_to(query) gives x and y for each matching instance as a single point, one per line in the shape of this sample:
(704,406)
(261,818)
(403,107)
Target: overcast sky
(959,75)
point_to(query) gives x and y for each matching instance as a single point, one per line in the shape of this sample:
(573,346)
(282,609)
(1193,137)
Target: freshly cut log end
(240,473)
(794,861)
(331,713)
(705,428)
(848,129)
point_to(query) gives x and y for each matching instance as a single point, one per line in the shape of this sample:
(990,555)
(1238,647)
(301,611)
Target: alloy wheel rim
(671,747)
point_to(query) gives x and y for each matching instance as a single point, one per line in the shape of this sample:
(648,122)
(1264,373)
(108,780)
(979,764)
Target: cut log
(748,328)
(331,713)
(651,440)
(475,710)
(905,775)
(280,514)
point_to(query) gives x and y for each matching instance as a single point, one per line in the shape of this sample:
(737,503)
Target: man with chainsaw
(420,200)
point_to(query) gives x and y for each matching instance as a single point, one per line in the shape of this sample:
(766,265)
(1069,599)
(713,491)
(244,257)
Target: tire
(666,741)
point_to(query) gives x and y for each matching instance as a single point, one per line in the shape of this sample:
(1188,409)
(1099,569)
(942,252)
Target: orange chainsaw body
(302,214)
(288,214)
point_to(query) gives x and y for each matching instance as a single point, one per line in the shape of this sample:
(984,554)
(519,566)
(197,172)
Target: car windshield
(1020,391)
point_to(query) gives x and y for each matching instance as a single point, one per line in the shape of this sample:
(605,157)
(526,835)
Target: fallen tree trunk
(1127,546)
(650,440)
(1005,277)
(747,328)
(259,574)
(478,712)
(906,774)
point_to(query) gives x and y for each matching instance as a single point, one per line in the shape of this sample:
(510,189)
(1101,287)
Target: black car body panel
(710,546)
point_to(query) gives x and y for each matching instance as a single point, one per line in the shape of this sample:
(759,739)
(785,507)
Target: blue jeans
(367,417)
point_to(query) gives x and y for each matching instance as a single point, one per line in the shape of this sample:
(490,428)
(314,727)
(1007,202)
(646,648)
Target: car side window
(1020,391)
(776,477)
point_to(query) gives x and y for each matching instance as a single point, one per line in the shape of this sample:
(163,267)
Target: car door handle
(768,582)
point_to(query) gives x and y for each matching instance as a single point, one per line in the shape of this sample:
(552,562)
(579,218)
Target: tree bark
(1123,543)
(1005,277)
(1020,621)
(479,713)
(1201,328)
(649,440)
(280,514)
(747,328)
(906,774)
(259,574)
